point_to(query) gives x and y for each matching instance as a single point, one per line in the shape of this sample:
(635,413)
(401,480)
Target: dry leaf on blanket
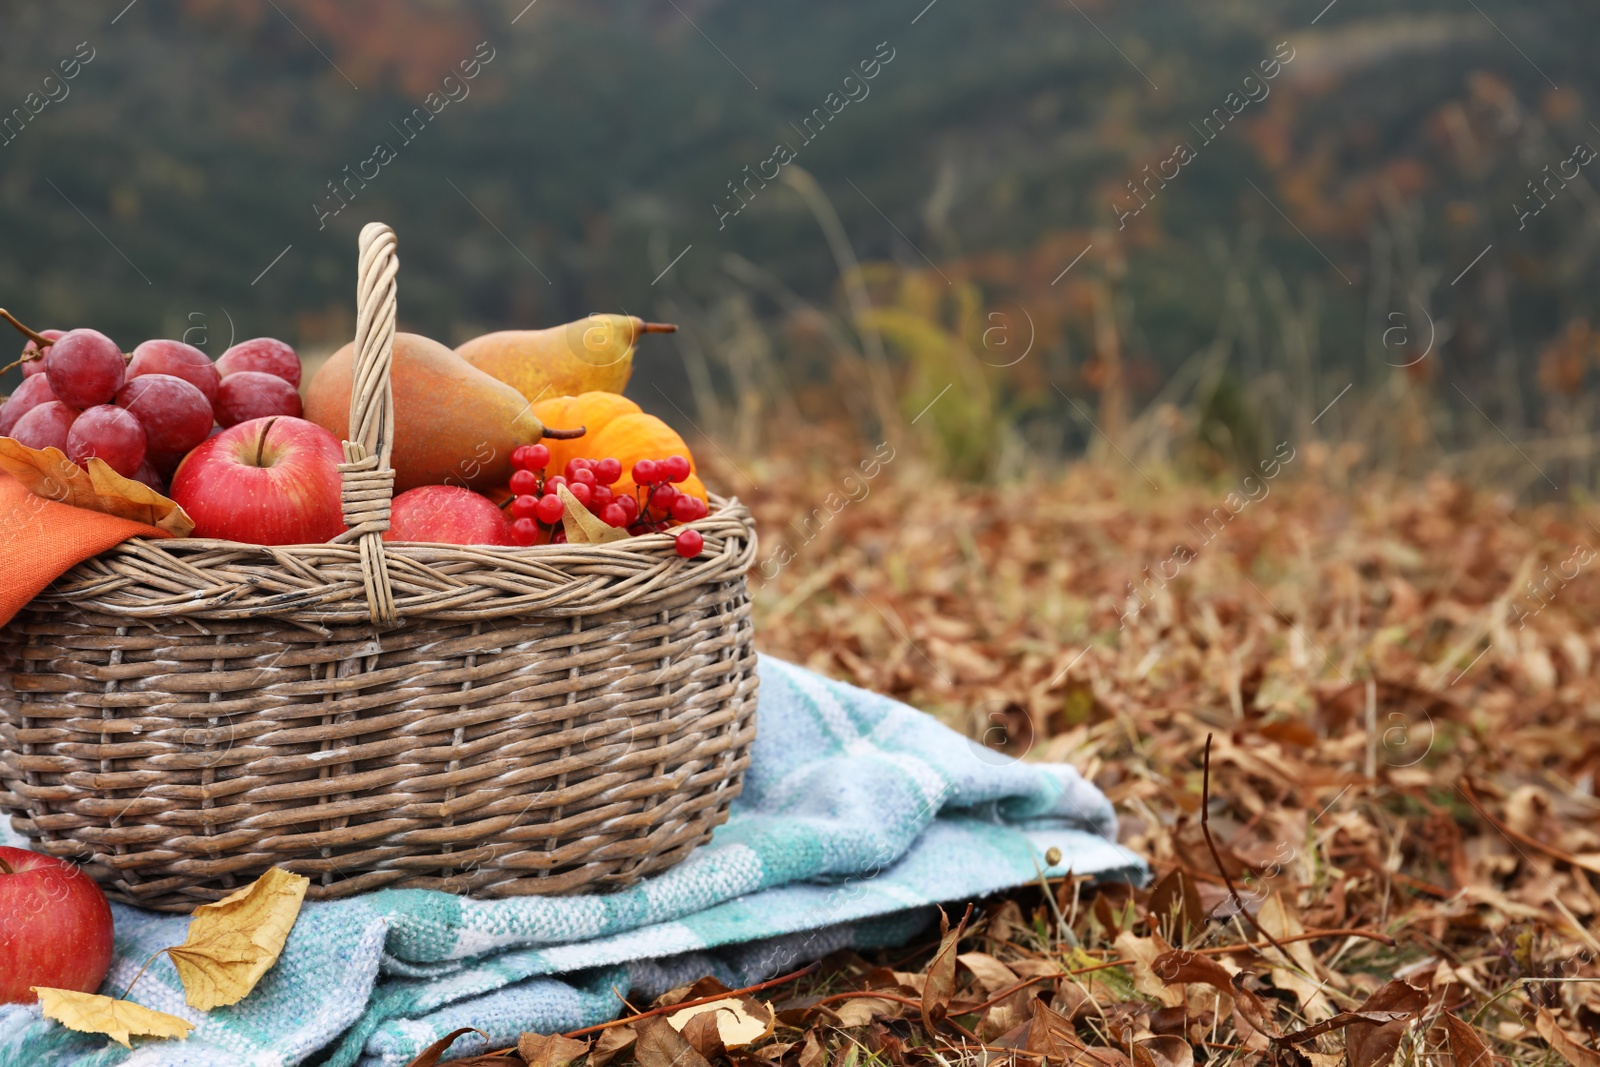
(236,940)
(91,1013)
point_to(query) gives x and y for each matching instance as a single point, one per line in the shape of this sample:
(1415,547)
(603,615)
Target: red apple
(449,515)
(55,927)
(270,481)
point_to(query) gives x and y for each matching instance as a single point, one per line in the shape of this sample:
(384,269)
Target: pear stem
(261,442)
(564,435)
(659,327)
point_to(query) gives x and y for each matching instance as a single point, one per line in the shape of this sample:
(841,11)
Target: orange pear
(594,354)
(453,424)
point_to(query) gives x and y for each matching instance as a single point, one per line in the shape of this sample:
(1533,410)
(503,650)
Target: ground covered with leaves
(1396,857)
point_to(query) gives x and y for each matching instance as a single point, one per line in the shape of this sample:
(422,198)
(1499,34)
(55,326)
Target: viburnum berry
(525,532)
(645,472)
(630,506)
(538,457)
(663,495)
(524,482)
(583,491)
(613,515)
(552,484)
(638,529)
(584,475)
(689,543)
(549,509)
(519,458)
(574,466)
(524,506)
(607,471)
(684,508)
(674,468)
(558,537)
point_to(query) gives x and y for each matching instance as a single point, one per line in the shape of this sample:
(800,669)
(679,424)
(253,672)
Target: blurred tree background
(952,257)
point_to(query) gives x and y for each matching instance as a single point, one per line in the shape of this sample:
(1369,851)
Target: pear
(453,424)
(594,354)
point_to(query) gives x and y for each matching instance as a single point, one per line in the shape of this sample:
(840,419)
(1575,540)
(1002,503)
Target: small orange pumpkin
(630,438)
(593,411)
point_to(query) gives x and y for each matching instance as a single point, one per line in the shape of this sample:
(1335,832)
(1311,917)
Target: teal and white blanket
(858,815)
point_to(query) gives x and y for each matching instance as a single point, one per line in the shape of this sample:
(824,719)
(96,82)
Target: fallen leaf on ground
(48,473)
(549,1050)
(1467,1046)
(941,982)
(611,1044)
(1374,1044)
(660,1045)
(236,940)
(991,974)
(90,1013)
(739,1022)
(1564,1046)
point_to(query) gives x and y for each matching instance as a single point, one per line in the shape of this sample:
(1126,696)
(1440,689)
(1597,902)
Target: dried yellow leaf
(47,473)
(236,940)
(583,527)
(90,1013)
(739,1021)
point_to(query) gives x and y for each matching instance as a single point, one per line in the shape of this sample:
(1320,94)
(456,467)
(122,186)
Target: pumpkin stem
(564,435)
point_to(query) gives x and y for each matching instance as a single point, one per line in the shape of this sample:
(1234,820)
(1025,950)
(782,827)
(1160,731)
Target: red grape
(607,471)
(645,472)
(29,395)
(110,433)
(613,515)
(149,476)
(36,366)
(174,414)
(46,426)
(263,355)
(524,482)
(550,509)
(582,491)
(164,463)
(674,468)
(85,368)
(525,532)
(583,475)
(180,361)
(538,457)
(248,394)
(524,506)
(689,543)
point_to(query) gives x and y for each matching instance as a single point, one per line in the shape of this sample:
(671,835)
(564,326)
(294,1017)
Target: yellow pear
(594,354)
(453,424)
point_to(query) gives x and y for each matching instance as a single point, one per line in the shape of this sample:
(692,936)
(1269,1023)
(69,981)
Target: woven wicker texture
(181,715)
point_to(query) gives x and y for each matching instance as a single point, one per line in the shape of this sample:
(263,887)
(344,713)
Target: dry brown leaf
(1055,1038)
(583,527)
(1279,920)
(659,1045)
(50,474)
(1564,1046)
(739,1021)
(812,1053)
(90,1013)
(549,1050)
(429,1056)
(703,1036)
(1144,951)
(1467,1047)
(941,981)
(859,1011)
(1166,1051)
(236,940)
(991,974)
(1374,1044)
(611,1044)
(1175,907)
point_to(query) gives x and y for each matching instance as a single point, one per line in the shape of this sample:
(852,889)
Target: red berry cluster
(656,502)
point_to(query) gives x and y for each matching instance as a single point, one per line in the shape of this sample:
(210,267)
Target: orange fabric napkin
(40,540)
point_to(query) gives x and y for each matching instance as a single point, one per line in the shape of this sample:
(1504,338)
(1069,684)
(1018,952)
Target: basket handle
(367,480)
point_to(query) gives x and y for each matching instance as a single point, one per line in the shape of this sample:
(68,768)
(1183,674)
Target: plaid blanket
(858,815)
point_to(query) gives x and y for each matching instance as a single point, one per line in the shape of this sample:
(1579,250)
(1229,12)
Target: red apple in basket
(269,481)
(55,927)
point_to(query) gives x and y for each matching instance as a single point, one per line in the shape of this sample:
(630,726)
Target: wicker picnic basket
(181,715)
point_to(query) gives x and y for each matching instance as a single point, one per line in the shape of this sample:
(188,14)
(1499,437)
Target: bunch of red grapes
(143,412)
(654,504)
